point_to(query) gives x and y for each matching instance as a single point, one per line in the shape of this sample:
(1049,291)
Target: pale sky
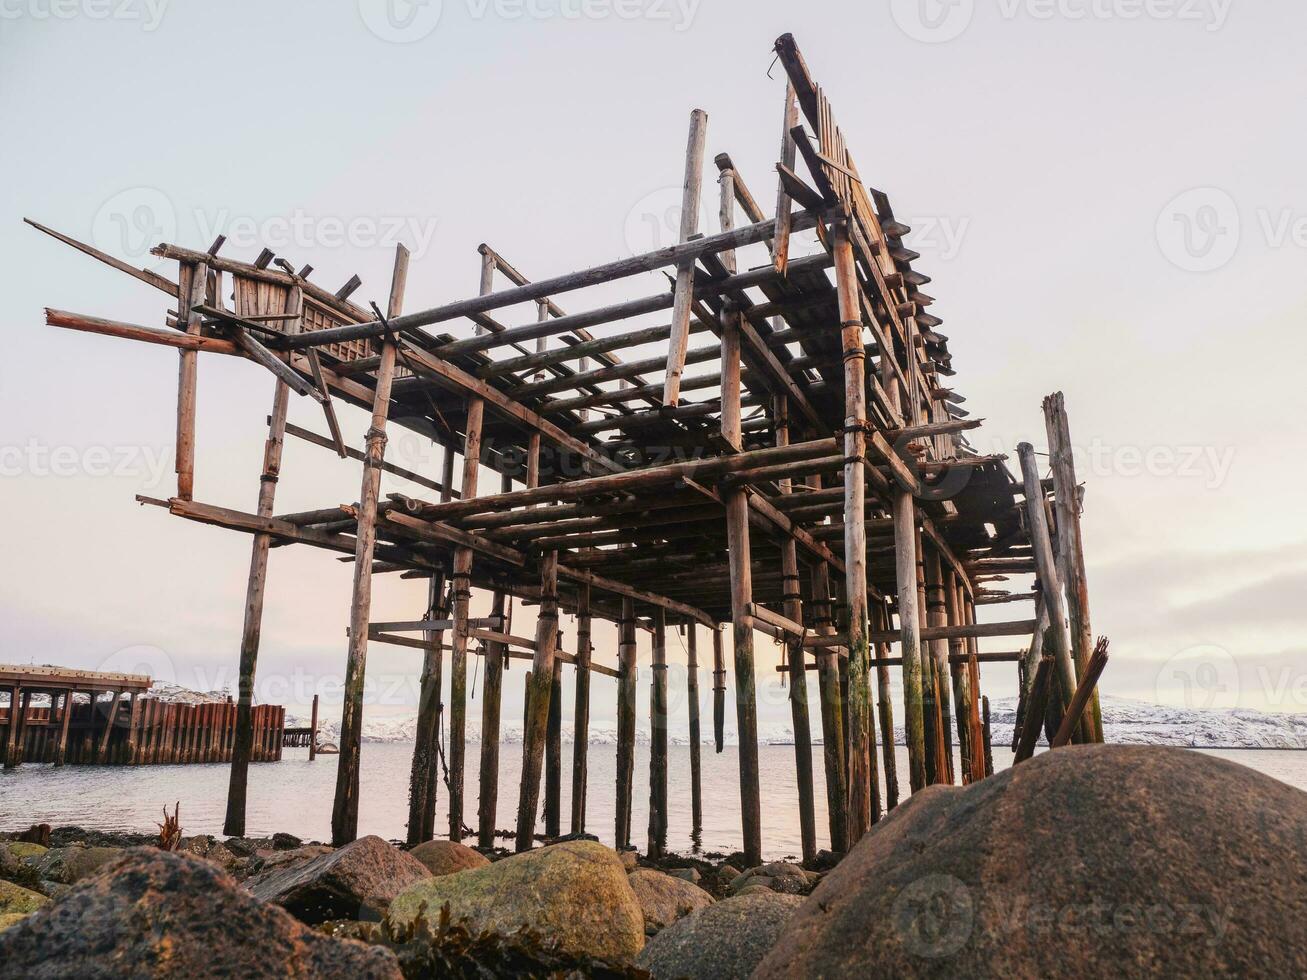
(1107,193)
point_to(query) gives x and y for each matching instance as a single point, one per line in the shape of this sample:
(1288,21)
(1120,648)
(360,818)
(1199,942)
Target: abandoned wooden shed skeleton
(823,417)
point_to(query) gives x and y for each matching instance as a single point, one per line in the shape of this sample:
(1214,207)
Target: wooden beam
(683,295)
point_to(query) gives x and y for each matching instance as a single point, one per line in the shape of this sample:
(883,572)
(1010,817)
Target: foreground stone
(447,857)
(358,881)
(1086,861)
(664,899)
(722,941)
(574,893)
(778,876)
(152,913)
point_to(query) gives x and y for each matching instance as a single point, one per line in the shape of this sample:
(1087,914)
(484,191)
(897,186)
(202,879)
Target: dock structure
(770,445)
(118,723)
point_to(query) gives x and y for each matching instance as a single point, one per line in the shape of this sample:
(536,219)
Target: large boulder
(152,913)
(24,850)
(722,941)
(357,881)
(1085,861)
(664,899)
(574,894)
(447,857)
(69,865)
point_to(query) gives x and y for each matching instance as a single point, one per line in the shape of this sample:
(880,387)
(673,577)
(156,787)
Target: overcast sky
(1108,195)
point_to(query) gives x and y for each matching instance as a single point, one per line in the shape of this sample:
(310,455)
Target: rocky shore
(1087,861)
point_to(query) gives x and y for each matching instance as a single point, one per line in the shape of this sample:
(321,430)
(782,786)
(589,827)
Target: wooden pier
(812,482)
(118,724)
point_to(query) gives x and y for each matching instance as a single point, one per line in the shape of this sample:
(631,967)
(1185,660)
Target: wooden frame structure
(812,483)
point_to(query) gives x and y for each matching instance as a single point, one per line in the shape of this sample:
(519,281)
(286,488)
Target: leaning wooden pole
(193,284)
(1046,568)
(832,711)
(420,784)
(961,680)
(345,812)
(937,615)
(885,709)
(657,837)
(861,739)
(554,755)
(255,588)
(905,560)
(581,718)
(492,694)
(539,692)
(683,299)
(1071,549)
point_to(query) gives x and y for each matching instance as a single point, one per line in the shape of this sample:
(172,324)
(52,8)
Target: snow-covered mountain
(1125,722)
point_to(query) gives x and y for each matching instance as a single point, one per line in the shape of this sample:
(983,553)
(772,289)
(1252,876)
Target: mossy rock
(24,850)
(8,919)
(574,894)
(14,899)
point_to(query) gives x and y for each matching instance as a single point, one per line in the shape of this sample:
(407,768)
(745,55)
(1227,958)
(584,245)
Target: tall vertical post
(18,701)
(133,729)
(1046,567)
(657,838)
(581,722)
(421,796)
(929,703)
(885,709)
(684,295)
(313,730)
(832,710)
(192,284)
(961,680)
(554,754)
(492,694)
(937,615)
(345,811)
(626,679)
(718,692)
(905,567)
(1071,551)
(102,752)
(255,589)
(855,535)
(462,595)
(66,716)
(538,696)
(798,679)
(692,699)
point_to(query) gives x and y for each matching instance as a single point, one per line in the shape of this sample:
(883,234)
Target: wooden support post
(66,716)
(1084,692)
(492,692)
(345,812)
(692,699)
(718,691)
(421,799)
(989,750)
(905,556)
(102,752)
(554,755)
(313,730)
(961,678)
(538,696)
(11,740)
(885,709)
(625,721)
(657,837)
(832,711)
(458,644)
(781,243)
(973,680)
(861,740)
(1050,585)
(798,681)
(191,293)
(1071,551)
(684,295)
(133,730)
(937,615)
(581,719)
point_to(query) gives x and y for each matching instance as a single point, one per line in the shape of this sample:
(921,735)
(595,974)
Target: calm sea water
(295,795)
